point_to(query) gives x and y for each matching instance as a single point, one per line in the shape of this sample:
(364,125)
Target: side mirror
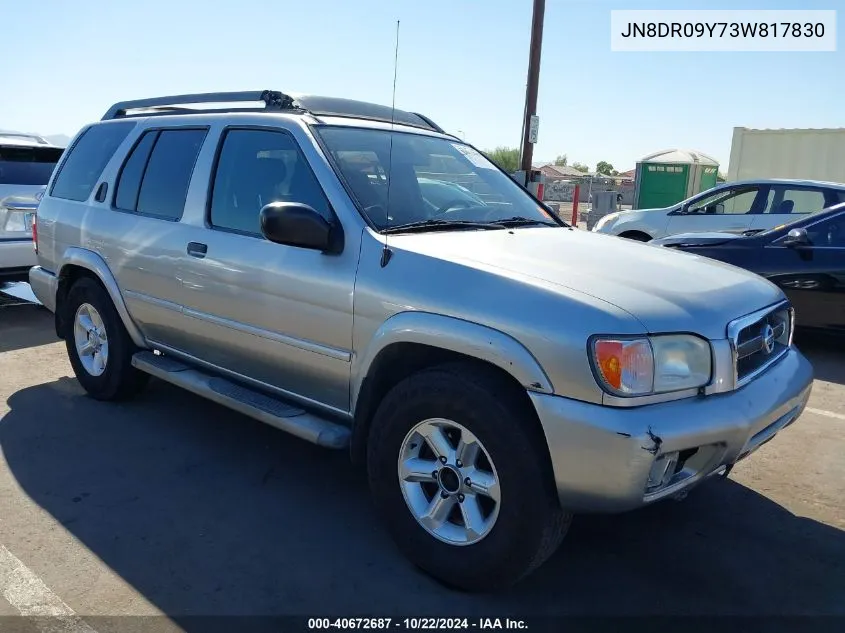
(297,224)
(796,237)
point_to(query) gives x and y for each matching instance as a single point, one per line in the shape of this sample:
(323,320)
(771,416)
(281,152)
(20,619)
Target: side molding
(92,261)
(456,335)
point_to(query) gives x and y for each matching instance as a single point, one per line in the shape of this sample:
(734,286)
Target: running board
(254,404)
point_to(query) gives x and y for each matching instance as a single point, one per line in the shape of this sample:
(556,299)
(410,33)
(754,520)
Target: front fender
(75,256)
(652,223)
(456,335)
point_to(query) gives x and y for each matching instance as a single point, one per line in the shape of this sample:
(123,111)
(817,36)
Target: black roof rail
(272,99)
(337,106)
(433,125)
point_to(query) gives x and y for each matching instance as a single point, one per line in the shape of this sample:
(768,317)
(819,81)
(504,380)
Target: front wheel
(458,475)
(637,236)
(98,345)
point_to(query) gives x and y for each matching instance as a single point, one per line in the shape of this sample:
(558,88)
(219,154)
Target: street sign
(533,128)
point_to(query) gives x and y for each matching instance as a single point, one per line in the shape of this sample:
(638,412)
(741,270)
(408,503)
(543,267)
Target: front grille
(760,339)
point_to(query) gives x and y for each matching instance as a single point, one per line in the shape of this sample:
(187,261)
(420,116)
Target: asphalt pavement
(170,504)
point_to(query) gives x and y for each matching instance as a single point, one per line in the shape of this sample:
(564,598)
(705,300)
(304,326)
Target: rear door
(729,209)
(785,203)
(145,239)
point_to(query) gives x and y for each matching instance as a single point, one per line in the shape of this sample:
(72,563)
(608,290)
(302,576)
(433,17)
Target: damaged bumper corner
(608,459)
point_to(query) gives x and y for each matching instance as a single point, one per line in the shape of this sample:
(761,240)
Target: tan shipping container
(811,154)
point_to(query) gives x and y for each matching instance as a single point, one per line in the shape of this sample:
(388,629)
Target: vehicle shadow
(826,353)
(205,512)
(25,325)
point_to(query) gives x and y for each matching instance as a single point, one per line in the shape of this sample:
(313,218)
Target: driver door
(729,210)
(812,275)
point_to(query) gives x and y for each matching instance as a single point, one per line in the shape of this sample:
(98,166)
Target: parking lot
(171,504)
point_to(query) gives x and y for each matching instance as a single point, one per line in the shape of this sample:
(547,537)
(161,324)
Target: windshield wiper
(438,225)
(521,221)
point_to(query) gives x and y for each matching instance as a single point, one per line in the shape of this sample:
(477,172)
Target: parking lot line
(829,414)
(27,593)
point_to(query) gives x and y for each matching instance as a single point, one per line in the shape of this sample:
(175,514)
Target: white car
(26,163)
(736,207)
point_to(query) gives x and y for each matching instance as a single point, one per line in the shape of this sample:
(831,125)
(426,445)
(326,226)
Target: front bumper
(602,456)
(44,285)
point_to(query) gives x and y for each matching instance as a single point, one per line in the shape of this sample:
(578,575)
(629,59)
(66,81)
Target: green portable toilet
(671,175)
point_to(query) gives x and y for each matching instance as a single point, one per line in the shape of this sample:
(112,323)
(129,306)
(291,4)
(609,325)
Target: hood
(696,239)
(666,290)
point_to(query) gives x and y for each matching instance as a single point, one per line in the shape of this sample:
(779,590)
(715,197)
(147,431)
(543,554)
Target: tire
(119,380)
(637,236)
(529,523)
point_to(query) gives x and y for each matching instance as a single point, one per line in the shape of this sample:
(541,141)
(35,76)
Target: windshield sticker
(473,155)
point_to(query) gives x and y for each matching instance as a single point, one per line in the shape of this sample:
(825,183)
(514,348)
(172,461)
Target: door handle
(196,249)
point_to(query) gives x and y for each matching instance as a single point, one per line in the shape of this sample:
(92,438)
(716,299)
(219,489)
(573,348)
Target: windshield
(27,165)
(430,178)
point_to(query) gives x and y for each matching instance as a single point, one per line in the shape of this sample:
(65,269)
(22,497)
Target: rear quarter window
(87,158)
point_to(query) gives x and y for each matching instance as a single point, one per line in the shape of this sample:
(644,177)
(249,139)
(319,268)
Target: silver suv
(359,278)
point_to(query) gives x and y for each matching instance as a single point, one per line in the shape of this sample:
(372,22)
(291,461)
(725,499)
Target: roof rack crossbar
(271,98)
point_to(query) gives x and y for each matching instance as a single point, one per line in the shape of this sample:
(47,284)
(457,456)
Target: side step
(255,404)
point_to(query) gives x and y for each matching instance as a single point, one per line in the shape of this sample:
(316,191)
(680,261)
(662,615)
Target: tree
(505,157)
(605,168)
(581,167)
(561,161)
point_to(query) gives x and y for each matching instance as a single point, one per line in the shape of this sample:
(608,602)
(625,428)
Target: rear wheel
(98,345)
(458,474)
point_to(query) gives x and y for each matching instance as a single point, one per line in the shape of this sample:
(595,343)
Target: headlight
(610,217)
(652,364)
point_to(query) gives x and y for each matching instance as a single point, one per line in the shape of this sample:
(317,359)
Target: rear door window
(154,179)
(87,158)
(129,181)
(790,201)
(22,165)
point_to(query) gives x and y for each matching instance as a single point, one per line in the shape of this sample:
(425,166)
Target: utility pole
(533,83)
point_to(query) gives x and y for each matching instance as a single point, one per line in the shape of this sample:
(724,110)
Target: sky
(461,62)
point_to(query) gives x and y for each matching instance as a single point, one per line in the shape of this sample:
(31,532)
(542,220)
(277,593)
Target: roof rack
(272,100)
(38,139)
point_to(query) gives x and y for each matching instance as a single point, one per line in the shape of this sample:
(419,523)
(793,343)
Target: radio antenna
(386,252)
